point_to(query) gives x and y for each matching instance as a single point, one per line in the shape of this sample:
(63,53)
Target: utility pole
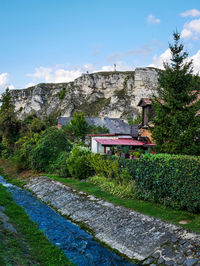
(115,67)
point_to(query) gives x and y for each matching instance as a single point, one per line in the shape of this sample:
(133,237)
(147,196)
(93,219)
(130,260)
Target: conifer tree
(9,125)
(176,124)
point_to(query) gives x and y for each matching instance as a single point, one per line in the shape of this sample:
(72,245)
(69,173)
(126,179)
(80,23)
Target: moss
(62,94)
(94,108)
(120,94)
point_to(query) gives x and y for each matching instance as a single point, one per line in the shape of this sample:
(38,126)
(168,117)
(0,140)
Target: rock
(115,93)
(182,241)
(169,262)
(156,255)
(9,227)
(189,253)
(160,261)
(2,208)
(181,261)
(3,217)
(167,250)
(190,262)
(148,261)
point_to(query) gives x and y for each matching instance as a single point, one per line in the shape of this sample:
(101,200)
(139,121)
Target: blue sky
(57,40)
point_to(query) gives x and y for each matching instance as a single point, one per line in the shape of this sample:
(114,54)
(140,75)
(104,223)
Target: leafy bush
(78,162)
(124,190)
(61,164)
(48,149)
(173,180)
(104,166)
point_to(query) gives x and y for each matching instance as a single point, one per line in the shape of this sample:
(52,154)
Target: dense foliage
(9,125)
(176,126)
(78,163)
(173,180)
(51,143)
(78,128)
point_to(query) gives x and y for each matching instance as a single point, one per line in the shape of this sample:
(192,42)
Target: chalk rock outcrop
(115,93)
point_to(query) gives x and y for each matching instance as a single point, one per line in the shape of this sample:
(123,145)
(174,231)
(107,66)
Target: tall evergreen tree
(9,125)
(176,124)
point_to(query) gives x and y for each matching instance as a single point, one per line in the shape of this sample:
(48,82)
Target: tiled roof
(129,142)
(144,102)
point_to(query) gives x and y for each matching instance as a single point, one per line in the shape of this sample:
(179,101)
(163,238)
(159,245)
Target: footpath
(138,236)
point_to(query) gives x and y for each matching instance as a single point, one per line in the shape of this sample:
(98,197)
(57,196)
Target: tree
(176,125)
(77,128)
(48,148)
(9,125)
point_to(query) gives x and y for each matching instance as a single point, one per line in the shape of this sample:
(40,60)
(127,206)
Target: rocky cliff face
(115,93)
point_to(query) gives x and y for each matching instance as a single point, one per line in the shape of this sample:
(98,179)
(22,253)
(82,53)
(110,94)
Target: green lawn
(152,209)
(29,246)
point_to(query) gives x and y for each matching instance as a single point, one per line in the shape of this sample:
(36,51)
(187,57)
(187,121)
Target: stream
(78,245)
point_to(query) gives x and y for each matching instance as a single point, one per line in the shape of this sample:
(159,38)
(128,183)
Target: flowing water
(77,244)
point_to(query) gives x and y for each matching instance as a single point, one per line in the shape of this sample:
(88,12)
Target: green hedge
(78,162)
(173,180)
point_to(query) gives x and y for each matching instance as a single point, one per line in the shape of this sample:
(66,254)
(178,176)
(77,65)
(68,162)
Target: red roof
(127,142)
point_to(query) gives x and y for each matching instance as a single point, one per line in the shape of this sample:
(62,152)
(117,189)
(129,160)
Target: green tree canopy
(9,125)
(176,125)
(77,128)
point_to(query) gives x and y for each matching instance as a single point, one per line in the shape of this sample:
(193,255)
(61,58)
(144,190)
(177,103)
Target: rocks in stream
(4,219)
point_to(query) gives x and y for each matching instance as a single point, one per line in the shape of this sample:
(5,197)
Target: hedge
(173,180)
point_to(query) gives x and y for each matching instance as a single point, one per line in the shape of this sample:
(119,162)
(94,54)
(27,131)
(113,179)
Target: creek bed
(78,245)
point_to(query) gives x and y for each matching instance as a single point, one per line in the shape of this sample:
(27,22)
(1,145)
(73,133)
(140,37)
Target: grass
(29,246)
(148,208)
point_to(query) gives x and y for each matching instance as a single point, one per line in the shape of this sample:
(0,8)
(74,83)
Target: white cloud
(191,13)
(152,19)
(196,62)
(158,60)
(191,29)
(166,56)
(58,75)
(4,82)
(30,84)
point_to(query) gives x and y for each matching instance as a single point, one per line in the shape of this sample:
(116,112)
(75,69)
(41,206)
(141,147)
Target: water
(77,244)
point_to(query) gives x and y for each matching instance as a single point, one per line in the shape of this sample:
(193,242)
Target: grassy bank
(29,246)
(152,209)
(148,208)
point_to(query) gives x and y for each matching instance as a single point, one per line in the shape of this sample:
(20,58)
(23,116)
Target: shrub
(48,148)
(173,180)
(78,162)
(112,186)
(62,94)
(104,166)
(61,164)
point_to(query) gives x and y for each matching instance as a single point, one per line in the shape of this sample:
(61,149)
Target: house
(102,143)
(121,134)
(147,115)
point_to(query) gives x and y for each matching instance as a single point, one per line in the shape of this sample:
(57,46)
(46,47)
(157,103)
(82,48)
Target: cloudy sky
(58,40)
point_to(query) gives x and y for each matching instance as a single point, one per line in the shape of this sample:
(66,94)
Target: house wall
(145,133)
(97,147)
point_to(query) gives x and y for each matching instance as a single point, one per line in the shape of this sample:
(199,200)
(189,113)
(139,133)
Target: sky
(58,40)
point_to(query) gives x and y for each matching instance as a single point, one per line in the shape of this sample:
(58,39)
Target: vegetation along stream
(77,244)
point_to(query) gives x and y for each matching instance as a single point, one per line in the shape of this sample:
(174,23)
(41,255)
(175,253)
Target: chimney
(102,116)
